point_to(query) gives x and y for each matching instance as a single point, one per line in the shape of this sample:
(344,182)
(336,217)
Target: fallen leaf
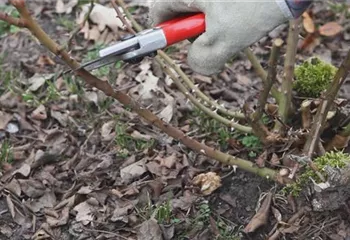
(61,220)
(14,187)
(208,182)
(5,118)
(65,8)
(12,128)
(39,113)
(260,161)
(330,29)
(38,80)
(167,113)
(149,230)
(133,171)
(32,188)
(48,200)
(84,212)
(168,162)
(275,160)
(184,203)
(277,214)
(24,170)
(308,23)
(62,118)
(261,217)
(102,16)
(120,212)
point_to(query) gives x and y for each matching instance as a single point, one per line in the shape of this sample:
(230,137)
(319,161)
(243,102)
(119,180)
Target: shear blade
(120,49)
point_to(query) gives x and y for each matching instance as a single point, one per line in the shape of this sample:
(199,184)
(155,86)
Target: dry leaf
(38,80)
(84,212)
(308,23)
(260,161)
(32,188)
(261,217)
(133,171)
(102,16)
(5,118)
(330,29)
(275,160)
(65,8)
(149,230)
(62,118)
(208,182)
(24,170)
(39,113)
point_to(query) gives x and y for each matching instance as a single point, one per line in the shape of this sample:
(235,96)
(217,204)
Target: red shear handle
(182,28)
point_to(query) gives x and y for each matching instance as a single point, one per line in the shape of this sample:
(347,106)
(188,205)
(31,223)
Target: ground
(77,165)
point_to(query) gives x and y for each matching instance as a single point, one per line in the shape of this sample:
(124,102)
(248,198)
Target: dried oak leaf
(133,171)
(84,212)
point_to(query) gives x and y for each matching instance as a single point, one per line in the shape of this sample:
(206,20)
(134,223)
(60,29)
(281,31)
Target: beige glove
(231,25)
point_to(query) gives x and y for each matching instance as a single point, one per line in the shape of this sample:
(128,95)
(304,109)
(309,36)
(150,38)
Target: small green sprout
(312,77)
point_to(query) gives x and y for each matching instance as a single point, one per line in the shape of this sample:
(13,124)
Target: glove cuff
(285,8)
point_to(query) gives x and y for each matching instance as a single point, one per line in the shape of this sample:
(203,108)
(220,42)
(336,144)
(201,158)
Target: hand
(230,27)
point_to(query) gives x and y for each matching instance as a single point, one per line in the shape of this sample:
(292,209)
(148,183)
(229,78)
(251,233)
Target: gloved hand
(230,27)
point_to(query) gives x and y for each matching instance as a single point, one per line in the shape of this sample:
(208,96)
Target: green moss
(332,159)
(312,77)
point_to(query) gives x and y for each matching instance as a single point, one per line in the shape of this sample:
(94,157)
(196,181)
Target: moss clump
(332,159)
(312,77)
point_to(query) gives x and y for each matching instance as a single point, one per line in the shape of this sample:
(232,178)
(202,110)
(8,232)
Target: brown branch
(19,22)
(255,119)
(270,78)
(259,70)
(326,103)
(122,18)
(151,118)
(289,65)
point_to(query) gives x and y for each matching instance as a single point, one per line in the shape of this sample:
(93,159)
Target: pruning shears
(134,48)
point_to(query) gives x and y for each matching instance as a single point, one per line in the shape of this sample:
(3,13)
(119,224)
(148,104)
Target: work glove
(231,25)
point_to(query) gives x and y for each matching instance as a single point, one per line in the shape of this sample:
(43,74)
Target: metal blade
(121,48)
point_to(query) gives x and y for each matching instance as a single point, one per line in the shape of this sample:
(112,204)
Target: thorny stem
(105,87)
(289,65)
(270,79)
(259,70)
(206,110)
(325,105)
(122,18)
(178,70)
(256,122)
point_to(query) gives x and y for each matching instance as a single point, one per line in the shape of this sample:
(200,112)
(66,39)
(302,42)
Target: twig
(151,118)
(206,110)
(256,122)
(179,71)
(81,25)
(325,105)
(198,92)
(287,83)
(259,70)
(270,79)
(122,18)
(19,22)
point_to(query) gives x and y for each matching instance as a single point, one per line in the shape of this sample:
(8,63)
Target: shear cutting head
(131,49)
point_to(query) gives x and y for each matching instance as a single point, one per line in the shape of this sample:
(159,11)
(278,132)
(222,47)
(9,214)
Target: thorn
(203,151)
(234,167)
